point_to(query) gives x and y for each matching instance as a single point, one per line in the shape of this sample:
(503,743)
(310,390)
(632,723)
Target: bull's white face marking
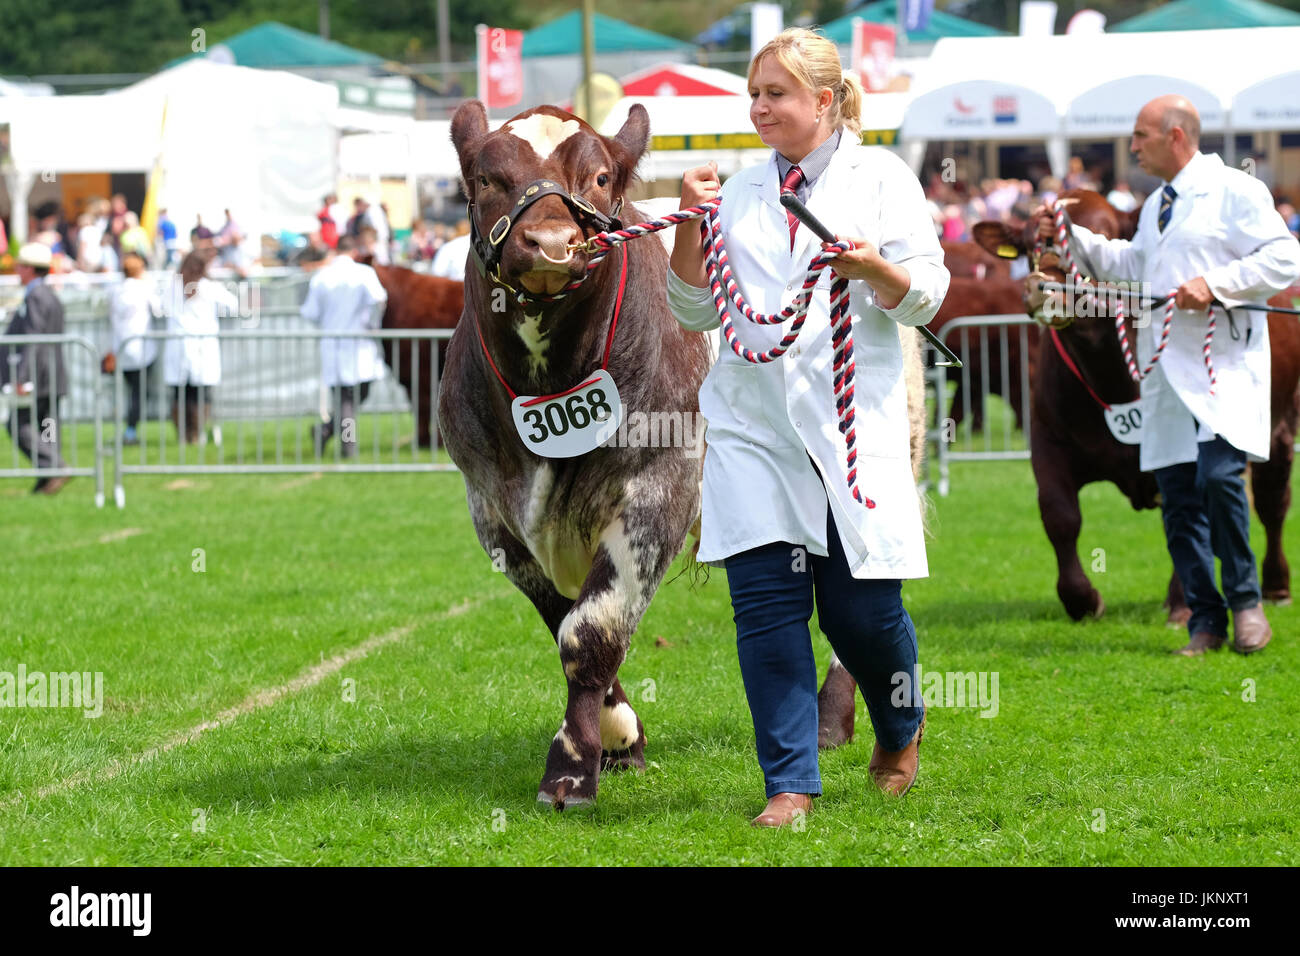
(534,340)
(1068,201)
(543,132)
(617,727)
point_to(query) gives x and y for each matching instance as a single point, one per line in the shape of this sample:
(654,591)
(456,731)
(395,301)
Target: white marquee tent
(262,143)
(1240,80)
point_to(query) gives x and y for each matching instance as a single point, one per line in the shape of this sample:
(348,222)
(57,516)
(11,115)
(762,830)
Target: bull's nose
(553,243)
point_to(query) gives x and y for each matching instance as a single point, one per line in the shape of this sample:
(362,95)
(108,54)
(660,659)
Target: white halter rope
(1078,281)
(720,278)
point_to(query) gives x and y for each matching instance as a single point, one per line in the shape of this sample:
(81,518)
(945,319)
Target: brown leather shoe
(1201,642)
(53,486)
(1250,630)
(895,772)
(784,808)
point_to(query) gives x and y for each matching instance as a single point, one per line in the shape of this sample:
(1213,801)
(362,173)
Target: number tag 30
(1125,422)
(572,423)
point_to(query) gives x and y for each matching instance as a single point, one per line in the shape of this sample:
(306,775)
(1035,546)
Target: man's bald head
(1166,135)
(1177,112)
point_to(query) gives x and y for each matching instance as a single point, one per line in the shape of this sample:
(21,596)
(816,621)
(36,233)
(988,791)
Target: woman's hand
(864,261)
(699,185)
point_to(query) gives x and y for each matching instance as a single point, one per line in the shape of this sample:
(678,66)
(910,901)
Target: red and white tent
(683,79)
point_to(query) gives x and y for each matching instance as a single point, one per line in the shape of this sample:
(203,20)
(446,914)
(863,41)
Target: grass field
(373,693)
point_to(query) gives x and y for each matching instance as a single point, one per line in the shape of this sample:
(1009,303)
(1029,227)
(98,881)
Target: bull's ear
(468,127)
(996,238)
(635,134)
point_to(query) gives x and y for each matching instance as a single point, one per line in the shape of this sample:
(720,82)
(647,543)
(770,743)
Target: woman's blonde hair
(814,61)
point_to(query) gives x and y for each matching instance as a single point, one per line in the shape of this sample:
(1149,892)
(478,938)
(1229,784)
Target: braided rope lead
(720,276)
(1063,241)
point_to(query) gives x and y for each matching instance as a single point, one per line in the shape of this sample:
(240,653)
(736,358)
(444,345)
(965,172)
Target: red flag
(873,54)
(500,66)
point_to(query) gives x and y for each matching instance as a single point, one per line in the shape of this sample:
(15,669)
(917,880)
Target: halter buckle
(492,233)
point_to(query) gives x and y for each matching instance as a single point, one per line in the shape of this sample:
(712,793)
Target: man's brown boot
(1250,630)
(784,808)
(1201,642)
(895,772)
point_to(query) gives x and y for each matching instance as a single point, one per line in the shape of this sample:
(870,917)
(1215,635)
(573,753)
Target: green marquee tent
(563,37)
(1209,15)
(886,11)
(274,46)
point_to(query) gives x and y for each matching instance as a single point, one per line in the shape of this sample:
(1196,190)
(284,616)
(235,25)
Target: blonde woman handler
(778,512)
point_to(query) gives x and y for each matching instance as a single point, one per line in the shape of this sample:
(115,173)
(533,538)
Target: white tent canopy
(1098,82)
(259,142)
(1270,104)
(981,109)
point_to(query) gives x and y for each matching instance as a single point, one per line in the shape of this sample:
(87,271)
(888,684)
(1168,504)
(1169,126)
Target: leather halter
(486,251)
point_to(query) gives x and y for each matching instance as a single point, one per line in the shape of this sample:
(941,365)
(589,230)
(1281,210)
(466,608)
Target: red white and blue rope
(723,286)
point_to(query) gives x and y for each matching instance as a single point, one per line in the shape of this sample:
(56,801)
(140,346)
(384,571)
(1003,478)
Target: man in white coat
(345,296)
(1211,235)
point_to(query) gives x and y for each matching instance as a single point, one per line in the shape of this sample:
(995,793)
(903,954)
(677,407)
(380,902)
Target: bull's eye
(483,181)
(602,180)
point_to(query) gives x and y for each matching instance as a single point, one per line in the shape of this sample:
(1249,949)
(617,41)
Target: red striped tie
(791,185)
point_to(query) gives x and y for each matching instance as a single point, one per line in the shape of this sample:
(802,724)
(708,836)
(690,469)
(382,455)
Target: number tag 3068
(573,422)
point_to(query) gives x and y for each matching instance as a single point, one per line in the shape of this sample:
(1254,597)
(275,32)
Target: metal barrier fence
(30,409)
(277,416)
(997,352)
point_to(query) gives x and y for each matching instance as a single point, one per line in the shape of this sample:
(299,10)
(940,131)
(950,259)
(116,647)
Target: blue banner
(916,14)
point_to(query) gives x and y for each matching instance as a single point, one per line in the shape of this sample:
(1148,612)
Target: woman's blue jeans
(773,591)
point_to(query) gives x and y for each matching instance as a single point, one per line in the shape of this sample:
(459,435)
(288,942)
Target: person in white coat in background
(345,296)
(777,508)
(1209,233)
(134,304)
(192,362)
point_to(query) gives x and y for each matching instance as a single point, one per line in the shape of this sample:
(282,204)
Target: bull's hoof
(567,793)
(1178,618)
(1090,605)
(616,760)
(1277,598)
(828,738)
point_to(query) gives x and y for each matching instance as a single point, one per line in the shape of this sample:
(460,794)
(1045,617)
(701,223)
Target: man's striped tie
(1167,197)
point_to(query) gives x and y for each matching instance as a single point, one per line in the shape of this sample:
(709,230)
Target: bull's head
(1002,241)
(1043,299)
(539,187)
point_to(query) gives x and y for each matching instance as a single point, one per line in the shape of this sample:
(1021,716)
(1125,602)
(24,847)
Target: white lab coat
(1223,227)
(766,421)
(131,311)
(449,260)
(195,359)
(346,296)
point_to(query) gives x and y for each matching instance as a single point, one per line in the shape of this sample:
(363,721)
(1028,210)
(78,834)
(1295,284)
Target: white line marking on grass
(299,482)
(120,535)
(258,700)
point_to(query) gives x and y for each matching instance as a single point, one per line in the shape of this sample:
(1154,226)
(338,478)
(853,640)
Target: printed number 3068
(559,417)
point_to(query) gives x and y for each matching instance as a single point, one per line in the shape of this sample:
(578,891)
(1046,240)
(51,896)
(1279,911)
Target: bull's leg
(1058,503)
(622,736)
(634,552)
(1176,604)
(835,706)
(1270,485)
